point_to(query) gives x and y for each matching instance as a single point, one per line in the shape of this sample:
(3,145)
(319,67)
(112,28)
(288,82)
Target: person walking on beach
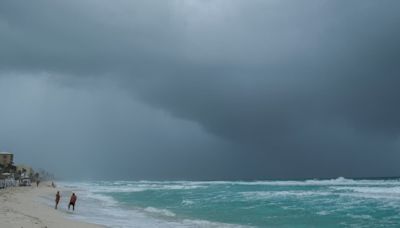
(72,201)
(58,196)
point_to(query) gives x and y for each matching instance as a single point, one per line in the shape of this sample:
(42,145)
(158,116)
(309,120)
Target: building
(25,170)
(6,159)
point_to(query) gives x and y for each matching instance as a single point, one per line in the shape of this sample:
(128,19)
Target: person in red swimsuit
(72,201)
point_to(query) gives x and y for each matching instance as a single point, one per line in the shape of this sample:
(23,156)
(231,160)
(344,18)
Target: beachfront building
(25,171)
(7,163)
(7,170)
(6,159)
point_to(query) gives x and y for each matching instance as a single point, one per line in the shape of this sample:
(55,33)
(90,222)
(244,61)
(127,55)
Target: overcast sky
(201,89)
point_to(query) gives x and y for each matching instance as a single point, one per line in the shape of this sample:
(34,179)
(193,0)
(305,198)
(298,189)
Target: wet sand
(20,207)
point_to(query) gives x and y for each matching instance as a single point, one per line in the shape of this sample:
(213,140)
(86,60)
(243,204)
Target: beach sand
(20,207)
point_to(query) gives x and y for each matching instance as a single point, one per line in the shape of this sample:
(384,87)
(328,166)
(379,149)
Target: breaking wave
(332,202)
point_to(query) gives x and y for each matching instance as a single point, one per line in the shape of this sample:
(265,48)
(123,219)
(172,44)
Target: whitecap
(163,212)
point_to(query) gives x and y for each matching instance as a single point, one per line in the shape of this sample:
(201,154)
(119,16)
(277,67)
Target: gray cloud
(257,89)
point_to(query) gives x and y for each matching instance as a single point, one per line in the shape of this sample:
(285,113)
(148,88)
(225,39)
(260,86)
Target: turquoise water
(310,203)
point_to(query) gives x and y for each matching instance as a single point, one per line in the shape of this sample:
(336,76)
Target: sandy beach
(21,207)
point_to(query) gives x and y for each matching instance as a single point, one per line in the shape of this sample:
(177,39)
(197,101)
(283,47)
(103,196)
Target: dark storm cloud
(98,131)
(278,88)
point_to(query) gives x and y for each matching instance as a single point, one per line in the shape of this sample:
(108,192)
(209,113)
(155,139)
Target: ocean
(309,203)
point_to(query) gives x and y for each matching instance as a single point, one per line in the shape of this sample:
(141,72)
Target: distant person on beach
(53,185)
(58,196)
(72,201)
(37,183)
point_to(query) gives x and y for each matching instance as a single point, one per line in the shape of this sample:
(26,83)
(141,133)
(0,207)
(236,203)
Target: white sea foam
(369,192)
(208,224)
(259,195)
(323,213)
(325,197)
(187,202)
(102,199)
(101,209)
(163,212)
(309,182)
(133,186)
(372,190)
(138,186)
(330,182)
(360,216)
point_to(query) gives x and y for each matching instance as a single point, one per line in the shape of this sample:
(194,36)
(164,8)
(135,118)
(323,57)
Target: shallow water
(309,203)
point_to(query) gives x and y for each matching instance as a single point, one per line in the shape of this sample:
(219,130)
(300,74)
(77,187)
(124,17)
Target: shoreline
(20,207)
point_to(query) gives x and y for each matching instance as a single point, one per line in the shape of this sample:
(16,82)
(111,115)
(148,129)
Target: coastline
(20,207)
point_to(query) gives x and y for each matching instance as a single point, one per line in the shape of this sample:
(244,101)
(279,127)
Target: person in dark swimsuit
(58,196)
